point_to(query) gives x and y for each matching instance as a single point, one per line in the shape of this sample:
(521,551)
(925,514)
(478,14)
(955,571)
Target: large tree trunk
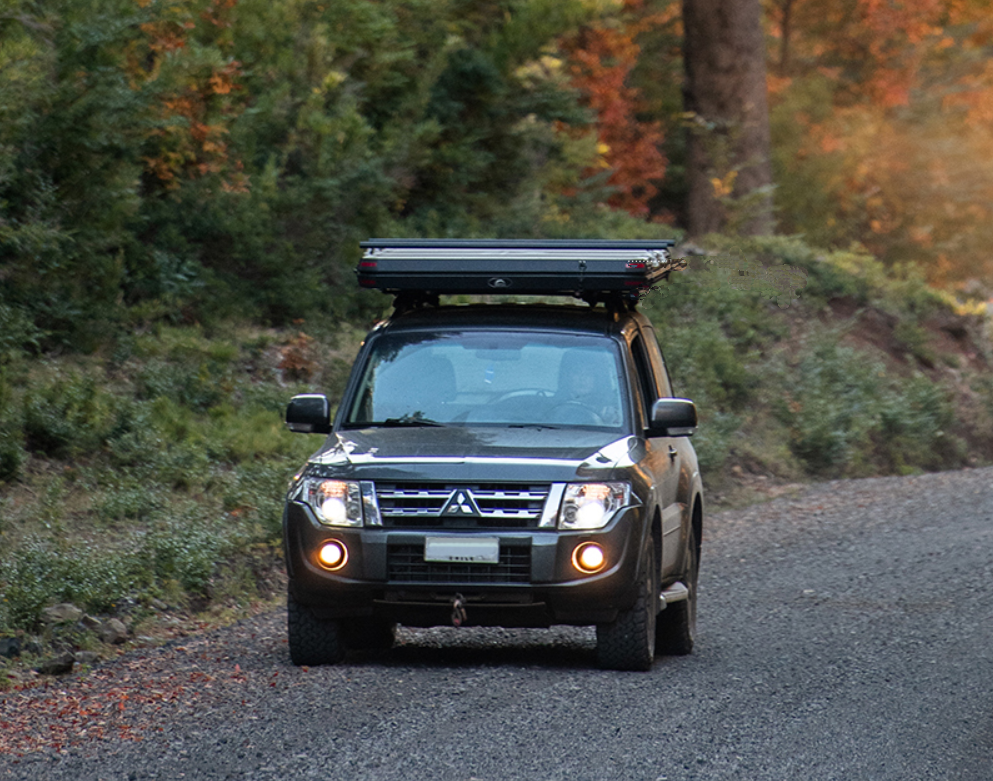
(728,162)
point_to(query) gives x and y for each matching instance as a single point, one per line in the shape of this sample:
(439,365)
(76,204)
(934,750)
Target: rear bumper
(535,583)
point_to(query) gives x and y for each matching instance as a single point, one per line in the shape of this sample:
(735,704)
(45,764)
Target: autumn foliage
(193,113)
(884,124)
(601,58)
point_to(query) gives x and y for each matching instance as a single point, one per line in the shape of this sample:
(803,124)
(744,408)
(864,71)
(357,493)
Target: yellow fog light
(333,555)
(588,557)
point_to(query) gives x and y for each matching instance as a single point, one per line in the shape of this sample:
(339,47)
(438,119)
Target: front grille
(501,505)
(405,564)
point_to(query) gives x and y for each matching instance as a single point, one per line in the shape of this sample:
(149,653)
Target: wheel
(575,413)
(368,634)
(628,643)
(676,625)
(313,641)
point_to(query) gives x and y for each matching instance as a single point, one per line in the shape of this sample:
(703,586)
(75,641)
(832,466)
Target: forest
(184,183)
(191,159)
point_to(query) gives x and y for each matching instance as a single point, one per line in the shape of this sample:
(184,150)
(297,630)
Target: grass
(154,471)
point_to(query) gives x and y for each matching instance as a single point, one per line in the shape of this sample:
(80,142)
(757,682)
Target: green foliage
(845,412)
(184,549)
(256,494)
(12,454)
(45,570)
(67,415)
(17,333)
(187,162)
(69,161)
(159,470)
(809,405)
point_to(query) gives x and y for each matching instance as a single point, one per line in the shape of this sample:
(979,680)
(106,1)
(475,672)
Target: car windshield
(490,378)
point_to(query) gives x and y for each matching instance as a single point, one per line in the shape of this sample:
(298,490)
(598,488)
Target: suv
(499,464)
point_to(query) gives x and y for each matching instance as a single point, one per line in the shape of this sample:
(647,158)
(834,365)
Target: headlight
(592,505)
(335,502)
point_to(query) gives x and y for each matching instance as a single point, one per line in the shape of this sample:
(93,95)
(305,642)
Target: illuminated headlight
(592,505)
(335,502)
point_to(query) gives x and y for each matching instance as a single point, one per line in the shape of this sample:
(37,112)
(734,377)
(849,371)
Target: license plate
(472,550)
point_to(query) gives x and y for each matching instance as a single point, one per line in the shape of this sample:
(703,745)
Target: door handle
(672,453)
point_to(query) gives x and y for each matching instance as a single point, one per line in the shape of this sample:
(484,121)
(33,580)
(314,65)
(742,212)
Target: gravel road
(845,633)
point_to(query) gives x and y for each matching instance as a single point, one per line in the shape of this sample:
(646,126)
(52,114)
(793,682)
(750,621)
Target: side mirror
(309,413)
(673,418)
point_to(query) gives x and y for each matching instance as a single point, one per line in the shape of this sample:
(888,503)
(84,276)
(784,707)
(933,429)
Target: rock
(86,657)
(10,647)
(60,665)
(158,604)
(31,647)
(90,622)
(66,613)
(112,631)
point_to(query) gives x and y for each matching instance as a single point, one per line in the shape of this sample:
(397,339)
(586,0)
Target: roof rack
(592,269)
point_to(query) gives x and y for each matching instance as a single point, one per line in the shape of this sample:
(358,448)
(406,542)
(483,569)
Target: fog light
(333,555)
(588,557)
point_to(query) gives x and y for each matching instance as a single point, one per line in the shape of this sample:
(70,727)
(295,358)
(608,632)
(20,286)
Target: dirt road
(845,633)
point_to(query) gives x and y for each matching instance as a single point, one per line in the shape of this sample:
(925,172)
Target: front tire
(313,641)
(628,643)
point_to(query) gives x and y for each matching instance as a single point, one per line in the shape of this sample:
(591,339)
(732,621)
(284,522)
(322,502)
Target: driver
(580,387)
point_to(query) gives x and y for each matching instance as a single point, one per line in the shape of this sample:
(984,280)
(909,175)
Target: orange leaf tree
(883,128)
(601,58)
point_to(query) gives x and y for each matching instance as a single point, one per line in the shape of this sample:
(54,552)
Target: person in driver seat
(584,394)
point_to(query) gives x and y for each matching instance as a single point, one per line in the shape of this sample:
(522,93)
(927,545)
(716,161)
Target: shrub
(183,549)
(197,386)
(256,494)
(11,437)
(712,440)
(67,416)
(239,436)
(46,569)
(846,412)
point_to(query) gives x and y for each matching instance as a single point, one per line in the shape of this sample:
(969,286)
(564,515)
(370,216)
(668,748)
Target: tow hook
(458,610)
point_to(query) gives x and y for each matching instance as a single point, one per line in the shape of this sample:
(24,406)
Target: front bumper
(534,584)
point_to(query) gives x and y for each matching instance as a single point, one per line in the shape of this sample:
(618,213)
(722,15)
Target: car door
(663,457)
(668,450)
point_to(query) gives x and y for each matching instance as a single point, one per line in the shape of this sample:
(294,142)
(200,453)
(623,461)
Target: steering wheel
(574,412)
(541,393)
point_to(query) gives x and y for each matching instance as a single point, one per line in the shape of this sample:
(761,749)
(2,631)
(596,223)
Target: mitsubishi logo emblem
(460,503)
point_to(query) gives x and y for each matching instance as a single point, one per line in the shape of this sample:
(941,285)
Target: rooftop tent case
(513,266)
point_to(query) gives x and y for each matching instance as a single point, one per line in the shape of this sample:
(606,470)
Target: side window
(659,366)
(646,383)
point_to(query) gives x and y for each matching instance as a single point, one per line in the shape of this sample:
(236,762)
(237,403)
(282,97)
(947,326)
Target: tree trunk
(725,94)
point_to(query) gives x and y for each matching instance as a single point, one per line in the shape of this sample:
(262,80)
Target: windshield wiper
(407,420)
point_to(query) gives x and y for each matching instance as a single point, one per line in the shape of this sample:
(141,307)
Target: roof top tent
(418,270)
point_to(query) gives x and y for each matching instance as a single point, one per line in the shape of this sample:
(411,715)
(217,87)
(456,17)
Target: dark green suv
(509,465)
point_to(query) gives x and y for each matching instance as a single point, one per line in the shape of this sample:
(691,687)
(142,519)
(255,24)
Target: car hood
(457,453)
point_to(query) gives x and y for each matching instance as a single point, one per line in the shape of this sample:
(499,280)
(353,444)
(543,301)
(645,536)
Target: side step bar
(677,592)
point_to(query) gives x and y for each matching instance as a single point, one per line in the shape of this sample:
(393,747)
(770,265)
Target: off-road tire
(313,641)
(628,643)
(676,625)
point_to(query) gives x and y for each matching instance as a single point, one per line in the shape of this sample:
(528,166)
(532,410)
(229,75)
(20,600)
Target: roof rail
(592,269)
